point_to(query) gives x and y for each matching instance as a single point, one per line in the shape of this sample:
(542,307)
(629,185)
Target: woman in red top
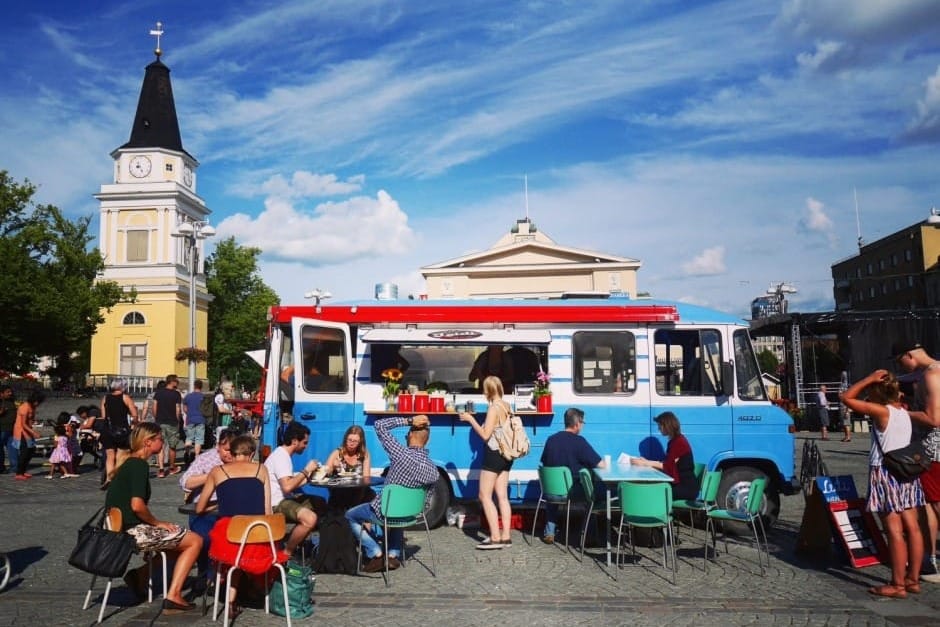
(678,463)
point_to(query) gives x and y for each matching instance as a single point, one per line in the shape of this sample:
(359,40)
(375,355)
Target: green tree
(50,302)
(238,311)
(767,361)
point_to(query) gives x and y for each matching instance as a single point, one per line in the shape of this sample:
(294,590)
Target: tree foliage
(767,361)
(238,311)
(50,303)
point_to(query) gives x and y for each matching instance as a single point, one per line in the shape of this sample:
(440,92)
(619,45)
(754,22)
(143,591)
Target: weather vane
(156,33)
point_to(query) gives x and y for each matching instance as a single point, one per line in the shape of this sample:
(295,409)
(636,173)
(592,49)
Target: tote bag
(100,551)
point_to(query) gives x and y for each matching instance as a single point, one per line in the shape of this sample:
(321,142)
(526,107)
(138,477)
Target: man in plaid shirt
(409,466)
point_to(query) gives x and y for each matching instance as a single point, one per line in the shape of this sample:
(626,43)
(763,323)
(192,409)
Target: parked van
(623,362)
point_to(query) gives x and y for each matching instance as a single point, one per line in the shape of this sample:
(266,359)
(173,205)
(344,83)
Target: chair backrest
(256,529)
(587,484)
(401,502)
(755,495)
(114,520)
(555,481)
(710,483)
(647,500)
(698,470)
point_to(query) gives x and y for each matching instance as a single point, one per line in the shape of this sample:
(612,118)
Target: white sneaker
(930,572)
(50,476)
(70,475)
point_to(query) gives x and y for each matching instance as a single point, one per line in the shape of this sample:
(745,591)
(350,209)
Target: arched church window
(134,317)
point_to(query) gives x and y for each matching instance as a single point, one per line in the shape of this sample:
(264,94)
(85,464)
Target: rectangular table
(617,473)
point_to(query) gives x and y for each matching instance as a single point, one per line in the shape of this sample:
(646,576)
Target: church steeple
(155,124)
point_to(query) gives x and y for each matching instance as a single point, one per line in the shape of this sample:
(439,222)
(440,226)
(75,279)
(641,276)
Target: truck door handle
(308,416)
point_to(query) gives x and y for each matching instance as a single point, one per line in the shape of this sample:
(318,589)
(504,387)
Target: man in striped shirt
(409,466)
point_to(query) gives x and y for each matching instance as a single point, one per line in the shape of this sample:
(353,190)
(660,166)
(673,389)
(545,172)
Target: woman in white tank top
(895,502)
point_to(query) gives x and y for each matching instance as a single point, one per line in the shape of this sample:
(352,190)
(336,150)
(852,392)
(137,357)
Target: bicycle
(5,569)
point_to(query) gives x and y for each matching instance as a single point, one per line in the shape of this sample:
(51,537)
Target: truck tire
(438,501)
(732,494)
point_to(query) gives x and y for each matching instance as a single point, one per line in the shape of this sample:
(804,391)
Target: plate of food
(347,473)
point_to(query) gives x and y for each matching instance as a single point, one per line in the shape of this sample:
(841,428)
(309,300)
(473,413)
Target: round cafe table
(341,489)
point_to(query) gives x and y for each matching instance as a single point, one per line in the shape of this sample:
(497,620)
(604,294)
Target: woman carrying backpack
(494,477)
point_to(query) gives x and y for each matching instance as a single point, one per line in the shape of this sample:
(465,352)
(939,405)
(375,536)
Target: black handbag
(100,551)
(907,463)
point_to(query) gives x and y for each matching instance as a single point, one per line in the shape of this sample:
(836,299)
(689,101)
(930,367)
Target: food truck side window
(604,362)
(688,362)
(323,360)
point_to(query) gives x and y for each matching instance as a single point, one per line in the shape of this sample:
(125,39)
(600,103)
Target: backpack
(512,439)
(337,550)
(207,408)
(300,583)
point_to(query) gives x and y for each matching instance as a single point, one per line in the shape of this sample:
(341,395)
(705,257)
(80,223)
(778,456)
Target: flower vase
(543,404)
(391,403)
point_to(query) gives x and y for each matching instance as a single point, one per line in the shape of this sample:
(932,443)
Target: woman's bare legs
(186,554)
(487,484)
(502,498)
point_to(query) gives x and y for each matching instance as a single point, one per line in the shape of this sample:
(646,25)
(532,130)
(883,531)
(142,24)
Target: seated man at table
(301,510)
(569,448)
(192,481)
(409,466)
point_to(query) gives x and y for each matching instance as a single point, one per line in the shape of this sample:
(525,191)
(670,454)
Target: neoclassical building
(526,263)
(153,191)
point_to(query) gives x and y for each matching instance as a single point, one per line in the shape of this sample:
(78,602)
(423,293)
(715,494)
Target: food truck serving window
(452,359)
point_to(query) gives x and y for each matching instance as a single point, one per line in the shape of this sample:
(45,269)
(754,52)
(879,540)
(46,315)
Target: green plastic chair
(750,515)
(402,507)
(649,506)
(555,487)
(590,508)
(707,497)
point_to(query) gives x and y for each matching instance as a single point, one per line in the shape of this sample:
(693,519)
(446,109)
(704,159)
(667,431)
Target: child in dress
(61,458)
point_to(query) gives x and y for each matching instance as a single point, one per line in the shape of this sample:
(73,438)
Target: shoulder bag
(906,463)
(100,551)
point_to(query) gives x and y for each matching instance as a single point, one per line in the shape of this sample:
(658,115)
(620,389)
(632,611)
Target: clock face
(187,176)
(140,166)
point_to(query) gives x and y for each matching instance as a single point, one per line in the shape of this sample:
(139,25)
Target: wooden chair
(243,530)
(114,520)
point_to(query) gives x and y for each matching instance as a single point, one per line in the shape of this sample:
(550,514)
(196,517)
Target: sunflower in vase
(392,385)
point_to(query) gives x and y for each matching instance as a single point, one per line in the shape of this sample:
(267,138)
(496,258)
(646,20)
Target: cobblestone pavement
(526,584)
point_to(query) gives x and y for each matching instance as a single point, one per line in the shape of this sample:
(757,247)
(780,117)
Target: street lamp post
(191,233)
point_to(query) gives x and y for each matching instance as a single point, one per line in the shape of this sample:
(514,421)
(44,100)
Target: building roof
(156,124)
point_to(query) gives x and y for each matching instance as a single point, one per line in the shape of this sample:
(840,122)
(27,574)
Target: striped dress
(885,493)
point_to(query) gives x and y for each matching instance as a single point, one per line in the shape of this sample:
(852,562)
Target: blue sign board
(840,488)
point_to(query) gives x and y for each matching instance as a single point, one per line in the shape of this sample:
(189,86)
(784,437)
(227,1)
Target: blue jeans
(6,438)
(370,539)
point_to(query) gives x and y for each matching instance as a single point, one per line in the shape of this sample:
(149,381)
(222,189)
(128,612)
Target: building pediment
(533,254)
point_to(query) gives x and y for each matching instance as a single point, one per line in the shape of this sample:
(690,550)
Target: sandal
(175,470)
(890,591)
(912,586)
(234,611)
(161,474)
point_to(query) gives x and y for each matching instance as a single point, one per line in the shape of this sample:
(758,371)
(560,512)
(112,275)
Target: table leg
(608,529)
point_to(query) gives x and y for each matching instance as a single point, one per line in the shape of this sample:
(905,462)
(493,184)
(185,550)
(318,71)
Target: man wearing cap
(925,375)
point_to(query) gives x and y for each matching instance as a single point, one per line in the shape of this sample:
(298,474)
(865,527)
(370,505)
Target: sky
(727,145)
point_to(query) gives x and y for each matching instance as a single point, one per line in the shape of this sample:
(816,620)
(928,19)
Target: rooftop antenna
(157,32)
(858,223)
(525,178)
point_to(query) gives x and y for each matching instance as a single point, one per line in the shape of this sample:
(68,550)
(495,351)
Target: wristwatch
(411,421)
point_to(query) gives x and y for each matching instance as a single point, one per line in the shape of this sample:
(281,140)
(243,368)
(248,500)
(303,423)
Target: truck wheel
(732,494)
(438,501)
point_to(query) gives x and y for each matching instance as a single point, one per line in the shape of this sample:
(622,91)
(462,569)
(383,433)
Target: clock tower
(152,193)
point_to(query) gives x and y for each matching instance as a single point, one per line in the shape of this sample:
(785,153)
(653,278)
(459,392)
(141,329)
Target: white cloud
(331,234)
(710,261)
(814,218)
(828,55)
(926,126)
(310,185)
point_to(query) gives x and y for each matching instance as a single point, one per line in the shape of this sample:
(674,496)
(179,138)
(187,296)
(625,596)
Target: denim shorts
(195,434)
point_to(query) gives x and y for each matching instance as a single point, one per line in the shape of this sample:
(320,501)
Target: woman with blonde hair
(351,455)
(494,477)
(895,501)
(129,491)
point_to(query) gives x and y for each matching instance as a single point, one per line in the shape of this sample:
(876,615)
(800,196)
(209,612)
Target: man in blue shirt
(569,448)
(193,420)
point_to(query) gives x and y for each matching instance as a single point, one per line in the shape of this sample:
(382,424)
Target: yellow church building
(152,231)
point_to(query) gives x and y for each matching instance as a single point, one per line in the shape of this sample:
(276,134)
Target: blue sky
(355,141)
